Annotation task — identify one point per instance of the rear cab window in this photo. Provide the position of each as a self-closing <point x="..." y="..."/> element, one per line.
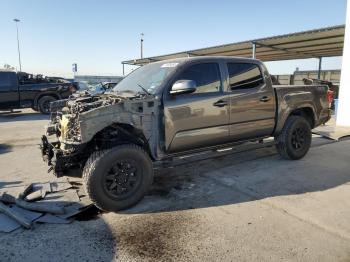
<point x="244" y="76"/>
<point x="205" y="75"/>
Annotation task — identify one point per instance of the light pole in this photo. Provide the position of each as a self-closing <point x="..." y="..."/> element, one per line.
<point x="142" y="45"/>
<point x="19" y="52"/>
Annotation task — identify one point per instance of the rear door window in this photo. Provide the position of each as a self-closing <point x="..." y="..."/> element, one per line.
<point x="244" y="75"/>
<point x="206" y="76"/>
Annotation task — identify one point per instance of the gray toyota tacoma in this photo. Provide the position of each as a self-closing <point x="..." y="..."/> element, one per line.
<point x="172" y="112"/>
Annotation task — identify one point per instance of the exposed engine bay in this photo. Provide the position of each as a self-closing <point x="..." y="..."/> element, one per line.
<point x="65" y="114"/>
<point x="84" y="123"/>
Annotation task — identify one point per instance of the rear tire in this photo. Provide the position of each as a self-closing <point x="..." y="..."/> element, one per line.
<point x="44" y="104"/>
<point x="294" y="141"/>
<point x="118" y="178"/>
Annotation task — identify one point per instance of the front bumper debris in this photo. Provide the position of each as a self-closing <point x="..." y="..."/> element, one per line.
<point x="58" y="162"/>
<point x="51" y="155"/>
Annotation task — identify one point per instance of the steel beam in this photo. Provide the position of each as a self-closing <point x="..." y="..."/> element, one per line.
<point x="284" y="49"/>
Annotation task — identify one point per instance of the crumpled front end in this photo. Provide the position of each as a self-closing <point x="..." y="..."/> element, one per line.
<point x="87" y="123"/>
<point x="62" y="147"/>
<point x="60" y="161"/>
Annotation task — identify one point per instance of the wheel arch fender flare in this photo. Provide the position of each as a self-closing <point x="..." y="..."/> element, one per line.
<point x="305" y="110"/>
<point x="136" y="136"/>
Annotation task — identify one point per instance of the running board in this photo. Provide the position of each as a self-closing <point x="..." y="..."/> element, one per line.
<point x="185" y="159"/>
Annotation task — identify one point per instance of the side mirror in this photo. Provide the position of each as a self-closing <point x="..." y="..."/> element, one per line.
<point x="183" y="87"/>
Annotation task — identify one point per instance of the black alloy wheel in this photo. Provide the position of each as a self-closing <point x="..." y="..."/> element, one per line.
<point x="122" y="179"/>
<point x="294" y="141"/>
<point x="298" y="138"/>
<point x="119" y="177"/>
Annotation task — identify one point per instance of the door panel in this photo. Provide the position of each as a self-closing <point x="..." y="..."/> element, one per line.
<point x="251" y="129"/>
<point x="252" y="102"/>
<point x="194" y="121"/>
<point x="201" y="118"/>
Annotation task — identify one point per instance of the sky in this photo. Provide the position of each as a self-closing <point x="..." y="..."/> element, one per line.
<point x="98" y="35"/>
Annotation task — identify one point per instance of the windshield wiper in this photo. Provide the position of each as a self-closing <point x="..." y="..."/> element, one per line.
<point x="144" y="89"/>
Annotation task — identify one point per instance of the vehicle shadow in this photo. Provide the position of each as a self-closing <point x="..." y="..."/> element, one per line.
<point x="5" y="148"/>
<point x="239" y="178"/>
<point x="21" y="116"/>
<point x="10" y="184"/>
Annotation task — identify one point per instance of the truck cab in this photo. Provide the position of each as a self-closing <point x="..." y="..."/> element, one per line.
<point x="233" y="100"/>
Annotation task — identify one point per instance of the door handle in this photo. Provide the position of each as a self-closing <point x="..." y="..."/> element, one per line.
<point x="220" y="103"/>
<point x="265" y="99"/>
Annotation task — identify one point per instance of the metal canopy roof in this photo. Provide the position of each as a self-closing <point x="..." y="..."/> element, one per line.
<point x="322" y="42"/>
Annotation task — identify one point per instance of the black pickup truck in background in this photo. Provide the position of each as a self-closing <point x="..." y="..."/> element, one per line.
<point x="22" y="90"/>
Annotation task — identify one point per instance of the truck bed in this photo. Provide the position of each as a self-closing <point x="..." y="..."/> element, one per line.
<point x="291" y="97"/>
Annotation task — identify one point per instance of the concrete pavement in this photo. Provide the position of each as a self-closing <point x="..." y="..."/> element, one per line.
<point x="251" y="206"/>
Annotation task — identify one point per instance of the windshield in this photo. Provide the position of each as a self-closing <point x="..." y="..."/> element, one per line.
<point x="148" y="77"/>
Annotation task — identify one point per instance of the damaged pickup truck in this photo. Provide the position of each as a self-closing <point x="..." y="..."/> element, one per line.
<point x="170" y="112"/>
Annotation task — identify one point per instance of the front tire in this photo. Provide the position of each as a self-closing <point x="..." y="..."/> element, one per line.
<point x="118" y="178"/>
<point x="294" y="141"/>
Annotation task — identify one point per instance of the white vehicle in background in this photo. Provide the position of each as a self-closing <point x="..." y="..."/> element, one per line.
<point x="82" y="85"/>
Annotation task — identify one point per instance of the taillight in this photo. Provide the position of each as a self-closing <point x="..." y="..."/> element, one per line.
<point x="330" y="97"/>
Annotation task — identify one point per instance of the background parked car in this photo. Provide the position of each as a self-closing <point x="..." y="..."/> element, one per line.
<point x="23" y="90"/>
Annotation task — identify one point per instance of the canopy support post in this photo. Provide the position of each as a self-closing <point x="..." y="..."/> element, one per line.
<point x="319" y="68"/>
<point x="253" y="50"/>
